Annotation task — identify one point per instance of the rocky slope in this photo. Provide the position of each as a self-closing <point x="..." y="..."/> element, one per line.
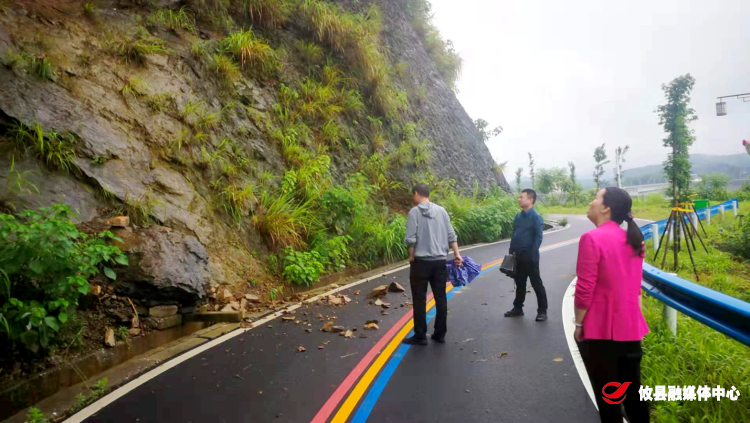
<point x="144" y="132"/>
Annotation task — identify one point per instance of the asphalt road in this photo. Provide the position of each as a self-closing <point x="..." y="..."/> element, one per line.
<point x="260" y="376"/>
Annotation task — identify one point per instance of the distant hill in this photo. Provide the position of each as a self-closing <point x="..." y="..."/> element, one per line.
<point x="736" y="166"/>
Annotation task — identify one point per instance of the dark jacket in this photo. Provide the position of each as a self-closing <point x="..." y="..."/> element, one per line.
<point x="527" y="234"/>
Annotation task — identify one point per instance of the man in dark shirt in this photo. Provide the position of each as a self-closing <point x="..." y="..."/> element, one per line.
<point x="527" y="237"/>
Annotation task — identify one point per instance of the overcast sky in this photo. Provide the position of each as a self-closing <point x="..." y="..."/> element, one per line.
<point x="564" y="77"/>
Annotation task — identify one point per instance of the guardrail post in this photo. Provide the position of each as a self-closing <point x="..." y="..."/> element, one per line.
<point x="655" y="235"/>
<point x="721" y="210"/>
<point x="708" y="216"/>
<point x="734" y="208"/>
<point x="670" y="316"/>
<point x="694" y="216"/>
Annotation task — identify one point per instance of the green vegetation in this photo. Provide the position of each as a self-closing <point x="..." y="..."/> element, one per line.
<point x="34" y="415"/>
<point x="251" y="52"/>
<point x="45" y="264"/>
<point x="90" y="10"/>
<point x="136" y="50"/>
<point x="698" y="355"/>
<point x="653" y="207"/>
<point x="169" y="19"/>
<point x="713" y="186"/>
<point x="302" y="268"/>
<point x="55" y="150"/>
<point x="41" y="67"/>
<point x="268" y="13"/>
<point x="446" y="59"/>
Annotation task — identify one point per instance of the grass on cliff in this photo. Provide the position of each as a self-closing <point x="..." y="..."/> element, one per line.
<point x="699" y="355"/>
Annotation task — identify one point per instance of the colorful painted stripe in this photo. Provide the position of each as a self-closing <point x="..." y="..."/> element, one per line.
<point x="402" y="328"/>
<point x="363" y="412"/>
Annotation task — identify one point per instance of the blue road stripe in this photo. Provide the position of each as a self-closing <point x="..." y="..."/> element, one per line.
<point x="372" y="397"/>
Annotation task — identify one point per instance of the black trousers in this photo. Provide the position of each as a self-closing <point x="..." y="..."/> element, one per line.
<point x="615" y="361"/>
<point x="527" y="267"/>
<point x="422" y="273"/>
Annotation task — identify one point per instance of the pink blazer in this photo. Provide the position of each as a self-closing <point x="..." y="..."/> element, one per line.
<point x="609" y="284"/>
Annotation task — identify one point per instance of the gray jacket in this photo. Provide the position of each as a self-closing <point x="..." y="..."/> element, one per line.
<point x="429" y="231"/>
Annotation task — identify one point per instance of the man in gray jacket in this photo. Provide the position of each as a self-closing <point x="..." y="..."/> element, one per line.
<point x="429" y="235"/>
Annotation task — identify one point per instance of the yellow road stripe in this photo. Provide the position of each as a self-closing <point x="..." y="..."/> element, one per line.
<point x="346" y="409"/>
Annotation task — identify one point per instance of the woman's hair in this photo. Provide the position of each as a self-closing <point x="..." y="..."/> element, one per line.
<point x="619" y="201"/>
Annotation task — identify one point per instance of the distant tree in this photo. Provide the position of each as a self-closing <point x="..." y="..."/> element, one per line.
<point x="519" y="171"/>
<point x="482" y="125"/>
<point x="531" y="172"/>
<point x="713" y="186"/>
<point x="619" y="160"/>
<point x="600" y="156"/>
<point x="674" y="118"/>
<point x="551" y="180"/>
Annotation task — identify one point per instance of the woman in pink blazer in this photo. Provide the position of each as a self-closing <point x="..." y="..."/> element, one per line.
<point x="608" y="318"/>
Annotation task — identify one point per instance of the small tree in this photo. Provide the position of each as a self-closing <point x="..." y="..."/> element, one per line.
<point x="600" y="156"/>
<point x="674" y="118"/>
<point x="619" y="160"/>
<point x="531" y="172"/>
<point x="519" y="171"/>
<point x="482" y="125"/>
<point x="572" y="187"/>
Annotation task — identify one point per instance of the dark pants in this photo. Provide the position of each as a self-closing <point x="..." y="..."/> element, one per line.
<point x="615" y="361"/>
<point x="528" y="267"/>
<point x="422" y="273"/>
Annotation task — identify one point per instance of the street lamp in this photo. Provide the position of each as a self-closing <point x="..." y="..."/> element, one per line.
<point x="721" y="106"/>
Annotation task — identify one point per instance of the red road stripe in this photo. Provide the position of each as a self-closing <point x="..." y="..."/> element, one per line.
<point x="330" y="406"/>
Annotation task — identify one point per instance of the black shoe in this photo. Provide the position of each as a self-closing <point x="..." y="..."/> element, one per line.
<point x="515" y="312"/>
<point x="541" y="317"/>
<point x="437" y="338"/>
<point x="413" y="340"/>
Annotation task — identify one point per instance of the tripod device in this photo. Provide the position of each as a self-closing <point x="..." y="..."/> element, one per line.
<point x="679" y="222"/>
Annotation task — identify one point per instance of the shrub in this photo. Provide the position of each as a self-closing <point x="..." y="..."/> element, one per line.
<point x="237" y="200"/>
<point x="268" y="13"/>
<point x="169" y="19"/>
<point x="225" y="68"/>
<point x="161" y="102"/>
<point x="302" y="268"/>
<point x="310" y="53"/>
<point x="485" y="220"/>
<point x="55" y="150"/>
<point x="335" y="251"/>
<point x="90" y="10"/>
<point x="46" y="263"/>
<point x="283" y="221"/>
<point x="251" y="52"/>
<point x="34" y="415"/>
<point x="137" y="50"/>
<point x="42" y="68"/>
<point x="563" y="221"/>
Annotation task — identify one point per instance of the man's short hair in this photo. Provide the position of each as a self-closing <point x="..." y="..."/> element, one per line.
<point x="421" y="189"/>
<point x="530" y="193"/>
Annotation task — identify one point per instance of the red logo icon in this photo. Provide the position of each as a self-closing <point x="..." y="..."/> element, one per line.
<point x="620" y="392"/>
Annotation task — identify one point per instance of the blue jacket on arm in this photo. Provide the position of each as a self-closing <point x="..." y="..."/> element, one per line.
<point x="528" y="227"/>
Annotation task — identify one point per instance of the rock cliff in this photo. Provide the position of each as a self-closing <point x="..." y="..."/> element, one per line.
<point x="149" y="109"/>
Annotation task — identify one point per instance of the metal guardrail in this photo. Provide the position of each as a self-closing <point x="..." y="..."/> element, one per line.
<point x="722" y="312"/>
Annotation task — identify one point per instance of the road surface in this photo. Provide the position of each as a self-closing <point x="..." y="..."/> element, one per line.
<point x="492" y="369"/>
